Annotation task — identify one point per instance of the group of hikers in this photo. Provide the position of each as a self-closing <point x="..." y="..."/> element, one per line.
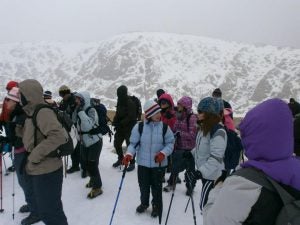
<point x="204" y="145"/>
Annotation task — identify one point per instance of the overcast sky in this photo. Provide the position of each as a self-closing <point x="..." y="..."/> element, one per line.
<point x="275" y="22"/>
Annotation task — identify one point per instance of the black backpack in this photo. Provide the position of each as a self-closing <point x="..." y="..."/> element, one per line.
<point x="138" y="107"/>
<point x="141" y="127"/>
<point x="233" y="149"/>
<point x="102" y="127"/>
<point x="290" y="211"/>
<point x="67" y="124"/>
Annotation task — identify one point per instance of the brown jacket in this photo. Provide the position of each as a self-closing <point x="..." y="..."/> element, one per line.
<point x="50" y="134"/>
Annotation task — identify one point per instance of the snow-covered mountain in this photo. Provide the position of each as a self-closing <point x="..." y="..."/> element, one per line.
<point x="180" y="64"/>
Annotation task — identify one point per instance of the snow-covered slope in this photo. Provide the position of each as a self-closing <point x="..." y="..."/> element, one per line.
<point x="181" y="64"/>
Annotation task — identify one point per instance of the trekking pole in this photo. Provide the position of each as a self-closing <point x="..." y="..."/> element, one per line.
<point x="1" y="196"/>
<point x="187" y="204"/>
<point x="160" y="209"/>
<point x="173" y="192"/>
<point x="13" y="189"/>
<point x="192" y="200"/>
<point x="120" y="187"/>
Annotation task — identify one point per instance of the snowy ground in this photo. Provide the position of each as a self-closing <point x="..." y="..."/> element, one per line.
<point x="82" y="211"/>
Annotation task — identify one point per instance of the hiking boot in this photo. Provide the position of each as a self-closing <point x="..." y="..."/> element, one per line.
<point x="94" y="193"/>
<point x="24" y="209"/>
<point x="154" y="212"/>
<point x="141" y="208"/>
<point x="130" y="167"/>
<point x="83" y="174"/>
<point x="168" y="188"/>
<point x="117" y="163"/>
<point x="31" y="219"/>
<point x="11" y="169"/>
<point x="72" y="169"/>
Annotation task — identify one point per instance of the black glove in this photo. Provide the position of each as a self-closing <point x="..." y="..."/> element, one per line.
<point x="191" y="176"/>
<point x="221" y="178"/>
<point x="177" y="134"/>
<point x="187" y="155"/>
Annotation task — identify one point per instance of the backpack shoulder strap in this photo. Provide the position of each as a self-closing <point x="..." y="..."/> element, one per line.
<point x="140" y="129"/>
<point x="34" y="115"/>
<point x="255" y="176"/>
<point x="165" y="128"/>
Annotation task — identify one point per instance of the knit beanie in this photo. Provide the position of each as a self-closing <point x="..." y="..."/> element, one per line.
<point x="13" y="94"/>
<point x="159" y="92"/>
<point x="210" y="105"/>
<point x="47" y="94"/>
<point x="64" y="90"/>
<point x="151" y="108"/>
<point x="217" y="93"/>
<point x="11" y="84"/>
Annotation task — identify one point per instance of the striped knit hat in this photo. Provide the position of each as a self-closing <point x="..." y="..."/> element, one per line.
<point x="13" y="94"/>
<point x="151" y="108"/>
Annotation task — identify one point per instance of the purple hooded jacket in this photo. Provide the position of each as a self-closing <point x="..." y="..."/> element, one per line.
<point x="267" y="136"/>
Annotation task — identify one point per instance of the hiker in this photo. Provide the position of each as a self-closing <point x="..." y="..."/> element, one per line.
<point x="217" y="93"/>
<point x="90" y="144"/>
<point x="210" y="148"/>
<point x="294" y="106"/>
<point x="48" y="99"/>
<point x="45" y="172"/>
<point x="267" y="136"/>
<point x="185" y="130"/>
<point x="68" y="105"/>
<point x="152" y="147"/>
<point x="124" y="120"/>
<point x="14" y="137"/>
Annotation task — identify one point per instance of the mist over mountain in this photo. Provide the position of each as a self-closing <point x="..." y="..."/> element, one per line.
<point x="145" y="62"/>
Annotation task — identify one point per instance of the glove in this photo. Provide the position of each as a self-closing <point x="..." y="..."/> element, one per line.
<point x="127" y="158"/>
<point x="191" y="176"/>
<point x="221" y="178"/>
<point x="177" y="134"/>
<point x="159" y="157"/>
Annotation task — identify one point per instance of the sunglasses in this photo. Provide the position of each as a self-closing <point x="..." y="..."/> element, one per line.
<point x="163" y="102"/>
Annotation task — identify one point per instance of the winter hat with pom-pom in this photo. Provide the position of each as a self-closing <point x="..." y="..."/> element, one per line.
<point x="151" y="108"/>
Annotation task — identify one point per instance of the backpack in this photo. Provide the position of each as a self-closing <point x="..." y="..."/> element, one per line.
<point x="233" y="149"/>
<point x="141" y="127"/>
<point x="67" y="124"/>
<point x="102" y="127"/>
<point x="138" y="107"/>
<point x="290" y="211"/>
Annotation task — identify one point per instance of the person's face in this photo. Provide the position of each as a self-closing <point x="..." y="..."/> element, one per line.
<point x="180" y="108"/>
<point x="10" y="104"/>
<point x="156" y="117"/>
<point x="200" y="115"/>
<point x="77" y="100"/>
<point x="164" y="104"/>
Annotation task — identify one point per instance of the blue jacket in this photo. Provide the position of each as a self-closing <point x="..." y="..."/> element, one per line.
<point x="85" y="122"/>
<point x="151" y="142"/>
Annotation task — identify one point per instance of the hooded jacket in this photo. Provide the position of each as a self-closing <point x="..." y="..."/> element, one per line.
<point x="186" y="125"/>
<point x="168" y="117"/>
<point x="50" y="133"/>
<point x="267" y="136"/>
<point x="86" y="120"/>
